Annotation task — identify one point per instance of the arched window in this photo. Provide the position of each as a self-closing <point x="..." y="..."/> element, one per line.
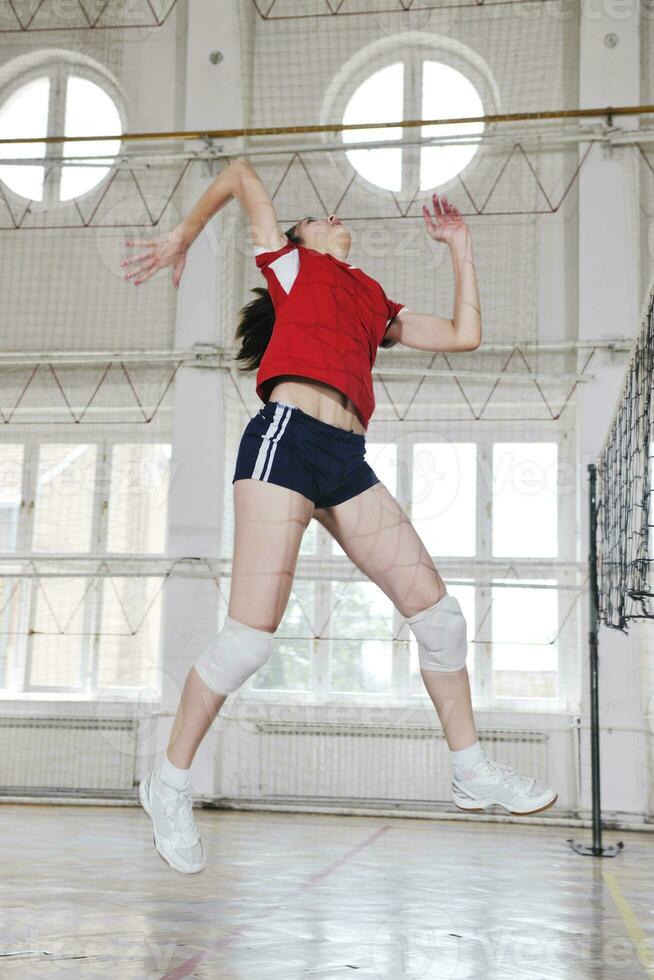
<point x="58" y="97"/>
<point x="416" y="86"/>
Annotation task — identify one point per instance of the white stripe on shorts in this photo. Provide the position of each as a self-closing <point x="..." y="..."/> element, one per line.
<point x="265" y="442"/>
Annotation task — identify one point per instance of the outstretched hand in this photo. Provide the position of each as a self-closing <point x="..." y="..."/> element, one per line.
<point x="447" y="224"/>
<point x="166" y="249"/>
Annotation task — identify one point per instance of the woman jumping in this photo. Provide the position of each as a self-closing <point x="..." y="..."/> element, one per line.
<point x="313" y="335"/>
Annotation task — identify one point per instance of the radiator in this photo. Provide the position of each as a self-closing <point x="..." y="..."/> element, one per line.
<point x="328" y="761"/>
<point x="67" y="755"/>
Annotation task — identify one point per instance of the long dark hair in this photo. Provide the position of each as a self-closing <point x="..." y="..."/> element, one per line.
<point x="256" y="321"/>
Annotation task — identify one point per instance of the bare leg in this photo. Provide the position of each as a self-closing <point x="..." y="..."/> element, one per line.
<point x="450" y="695"/>
<point x="197" y="710"/>
<point x="378" y="537"/>
<point x="269" y="523"/>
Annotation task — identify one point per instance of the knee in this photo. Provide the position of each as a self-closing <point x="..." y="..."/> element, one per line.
<point x="233" y="656"/>
<point x="441" y="634"/>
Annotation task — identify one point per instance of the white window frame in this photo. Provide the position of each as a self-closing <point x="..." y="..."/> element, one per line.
<point x="18" y="667"/>
<point x="58" y="65"/>
<point x="412" y="49"/>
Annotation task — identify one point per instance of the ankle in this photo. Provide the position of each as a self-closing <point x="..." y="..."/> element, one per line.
<point x="463" y="759"/>
<point x="173" y="775"/>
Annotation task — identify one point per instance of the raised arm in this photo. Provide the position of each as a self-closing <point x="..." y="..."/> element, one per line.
<point x="238" y="180"/>
<point x="429" y="331"/>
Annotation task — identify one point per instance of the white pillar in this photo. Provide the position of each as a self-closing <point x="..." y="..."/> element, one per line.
<point x="608" y="308"/>
<point x="211" y="100"/>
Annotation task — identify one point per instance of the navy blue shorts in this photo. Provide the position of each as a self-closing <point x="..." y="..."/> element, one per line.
<point x="282" y="444"/>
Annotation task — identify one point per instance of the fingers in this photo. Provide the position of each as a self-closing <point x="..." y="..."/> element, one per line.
<point x="146" y="273"/>
<point x="442" y="208"/>
<point x="136" y="258"/>
<point x="446" y="219"/>
<point x="142" y="268"/>
<point x="451" y="213"/>
<point x="448" y="208"/>
<point x="427" y="216"/>
<point x="143" y="263"/>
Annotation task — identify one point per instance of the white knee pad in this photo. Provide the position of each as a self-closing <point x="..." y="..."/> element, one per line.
<point x="441" y="634"/>
<point x="236" y="653"/>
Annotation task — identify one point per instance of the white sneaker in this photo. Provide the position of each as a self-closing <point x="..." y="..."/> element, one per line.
<point x="489" y="783"/>
<point x="176" y="836"/>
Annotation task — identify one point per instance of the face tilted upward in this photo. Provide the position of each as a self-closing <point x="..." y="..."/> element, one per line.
<point x="325" y="235"/>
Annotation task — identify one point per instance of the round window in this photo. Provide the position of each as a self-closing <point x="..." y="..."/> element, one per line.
<point x="425" y="89"/>
<point x="52" y="102"/>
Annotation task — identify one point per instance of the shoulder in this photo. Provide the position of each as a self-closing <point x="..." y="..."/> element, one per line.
<point x="281" y="266"/>
<point x="265" y="256"/>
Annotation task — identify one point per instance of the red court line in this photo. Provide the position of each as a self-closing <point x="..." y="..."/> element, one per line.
<point x="187" y="967"/>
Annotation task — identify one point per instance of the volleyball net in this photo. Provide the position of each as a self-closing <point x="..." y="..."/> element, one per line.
<point x="624" y="493"/>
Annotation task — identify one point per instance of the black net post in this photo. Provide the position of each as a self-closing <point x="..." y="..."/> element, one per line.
<point x="596" y="847"/>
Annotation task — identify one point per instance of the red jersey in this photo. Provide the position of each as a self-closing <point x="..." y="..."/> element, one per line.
<point x="330" y="320"/>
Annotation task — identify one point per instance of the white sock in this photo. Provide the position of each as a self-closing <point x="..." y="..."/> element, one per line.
<point x="463" y="759"/>
<point x="172" y="776"/>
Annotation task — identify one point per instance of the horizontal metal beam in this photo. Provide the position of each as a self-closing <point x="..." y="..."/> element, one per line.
<point x="543" y="138"/>
<point x="610" y="112"/>
<point x="204" y="352"/>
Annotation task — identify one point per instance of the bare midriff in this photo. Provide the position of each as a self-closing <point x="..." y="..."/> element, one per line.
<point x="325" y="403"/>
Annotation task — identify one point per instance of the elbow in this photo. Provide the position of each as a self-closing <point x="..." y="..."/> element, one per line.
<point x="472" y="343"/>
<point x="240" y="169"/>
<point x="468" y="340"/>
<point x="239" y="166"/>
<point x="242" y="164"/>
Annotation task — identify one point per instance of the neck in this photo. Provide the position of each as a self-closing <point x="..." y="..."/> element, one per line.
<point x="325" y="250"/>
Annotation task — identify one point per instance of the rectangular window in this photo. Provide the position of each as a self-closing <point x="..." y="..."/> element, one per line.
<point x="361" y="630"/>
<point x="82" y="625"/>
<point x="525" y="648"/>
<point x="63" y="514"/>
<point x="61" y="631"/>
<point x="444" y="497"/>
<point x="525" y="500"/>
<point x="11" y="485"/>
<point x="130" y="632"/>
<point x="139" y="479"/>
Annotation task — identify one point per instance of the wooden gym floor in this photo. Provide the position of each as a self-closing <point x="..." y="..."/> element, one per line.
<point x="322" y="897"/>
